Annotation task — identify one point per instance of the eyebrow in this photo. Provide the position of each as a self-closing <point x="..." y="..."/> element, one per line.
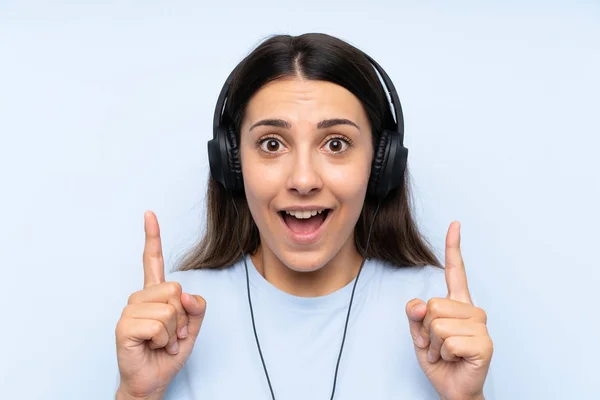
<point x="326" y="123"/>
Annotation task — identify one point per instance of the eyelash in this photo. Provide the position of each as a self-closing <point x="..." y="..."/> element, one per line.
<point x="264" y="139"/>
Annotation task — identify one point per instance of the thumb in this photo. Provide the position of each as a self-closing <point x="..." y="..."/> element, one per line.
<point x="195" y="306"/>
<point x="416" y="309"/>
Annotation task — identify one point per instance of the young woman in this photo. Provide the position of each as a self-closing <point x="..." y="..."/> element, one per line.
<point x="312" y="280"/>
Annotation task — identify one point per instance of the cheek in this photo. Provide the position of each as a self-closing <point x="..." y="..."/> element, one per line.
<point x="349" y="183"/>
<point x="261" y="185"/>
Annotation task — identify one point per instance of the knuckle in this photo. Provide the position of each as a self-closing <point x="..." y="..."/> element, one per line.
<point x="126" y="311"/>
<point x="133" y="298"/>
<point x="170" y="313"/>
<point x="482" y="315"/>
<point x="487" y="345"/>
<point x="450" y="344"/>
<point x="156" y="329"/>
<point x="174" y="288"/>
<point x="483" y="330"/>
<point x="434" y="305"/>
<point x="121" y="328"/>
<point x="437" y="326"/>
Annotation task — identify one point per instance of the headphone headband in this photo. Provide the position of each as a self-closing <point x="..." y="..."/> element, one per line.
<point x="221" y="100"/>
<point x="398" y="116"/>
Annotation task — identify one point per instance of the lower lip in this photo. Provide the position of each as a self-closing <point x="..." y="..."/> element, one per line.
<point x="306" y="238"/>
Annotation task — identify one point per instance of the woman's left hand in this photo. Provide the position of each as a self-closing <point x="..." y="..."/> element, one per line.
<point x="450" y="335"/>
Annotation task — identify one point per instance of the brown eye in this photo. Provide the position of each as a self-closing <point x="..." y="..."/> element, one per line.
<point x="336" y="145"/>
<point x="270" y="145"/>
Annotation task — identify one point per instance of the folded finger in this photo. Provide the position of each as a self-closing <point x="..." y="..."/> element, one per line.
<point x="172" y="346"/>
<point x="141" y="330"/>
<point x="444" y="328"/>
<point x="475" y="349"/>
<point x="166" y="292"/>
<point x="165" y="313"/>
<point x="446" y="308"/>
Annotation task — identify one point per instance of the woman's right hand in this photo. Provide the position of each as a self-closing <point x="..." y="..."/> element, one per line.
<point x="157" y="329"/>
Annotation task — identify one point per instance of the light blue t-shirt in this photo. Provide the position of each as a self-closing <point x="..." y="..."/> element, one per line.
<point x="300" y="338"/>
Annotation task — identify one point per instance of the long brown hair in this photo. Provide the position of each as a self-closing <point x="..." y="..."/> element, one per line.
<point x="395" y="237"/>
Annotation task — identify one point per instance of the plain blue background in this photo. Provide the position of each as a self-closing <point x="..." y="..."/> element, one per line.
<point x="106" y="107"/>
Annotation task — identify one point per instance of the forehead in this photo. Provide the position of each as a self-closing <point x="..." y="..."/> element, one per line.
<point x="306" y="99"/>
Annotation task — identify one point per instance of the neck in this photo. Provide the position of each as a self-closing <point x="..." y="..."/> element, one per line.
<point x="319" y="281"/>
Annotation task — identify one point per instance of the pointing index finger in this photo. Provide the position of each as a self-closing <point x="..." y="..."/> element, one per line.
<point x="154" y="267"/>
<point x="456" y="275"/>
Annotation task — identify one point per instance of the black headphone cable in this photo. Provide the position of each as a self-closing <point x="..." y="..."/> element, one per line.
<point x="347" y="315"/>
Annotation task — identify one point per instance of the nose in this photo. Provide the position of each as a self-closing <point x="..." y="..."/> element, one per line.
<point x="305" y="177"/>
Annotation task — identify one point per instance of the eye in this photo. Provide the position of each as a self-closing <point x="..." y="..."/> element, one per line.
<point x="337" y="144"/>
<point x="270" y="145"/>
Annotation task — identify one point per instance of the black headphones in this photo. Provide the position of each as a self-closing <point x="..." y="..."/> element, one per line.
<point x="387" y="170"/>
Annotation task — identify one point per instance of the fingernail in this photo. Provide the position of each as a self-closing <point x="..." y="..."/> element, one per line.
<point x="183" y="332"/>
<point x="430" y="356"/>
<point x="174" y="347"/>
<point x="192" y="298"/>
<point x="420" y="341"/>
<point x="419" y="308"/>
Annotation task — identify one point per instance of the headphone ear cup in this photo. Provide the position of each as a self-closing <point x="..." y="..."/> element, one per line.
<point x="224" y="160"/>
<point x="235" y="165"/>
<point x="389" y="165"/>
<point x="217" y="157"/>
<point x="378" y="164"/>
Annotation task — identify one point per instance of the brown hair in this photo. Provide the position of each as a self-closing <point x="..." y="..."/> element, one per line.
<point x="395" y="237"/>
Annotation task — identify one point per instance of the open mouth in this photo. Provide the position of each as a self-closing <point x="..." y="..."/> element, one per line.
<point x="304" y="222"/>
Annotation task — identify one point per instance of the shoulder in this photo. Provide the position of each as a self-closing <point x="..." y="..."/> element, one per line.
<point x="423" y="281"/>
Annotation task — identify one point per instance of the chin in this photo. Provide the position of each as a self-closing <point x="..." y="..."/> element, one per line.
<point x="306" y="261"/>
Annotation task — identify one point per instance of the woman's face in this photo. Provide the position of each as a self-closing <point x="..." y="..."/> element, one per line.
<point x="306" y="157"/>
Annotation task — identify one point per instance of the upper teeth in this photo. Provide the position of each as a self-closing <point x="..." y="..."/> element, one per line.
<point x="304" y="214"/>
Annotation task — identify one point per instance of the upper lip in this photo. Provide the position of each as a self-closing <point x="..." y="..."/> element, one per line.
<point x="305" y="208"/>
